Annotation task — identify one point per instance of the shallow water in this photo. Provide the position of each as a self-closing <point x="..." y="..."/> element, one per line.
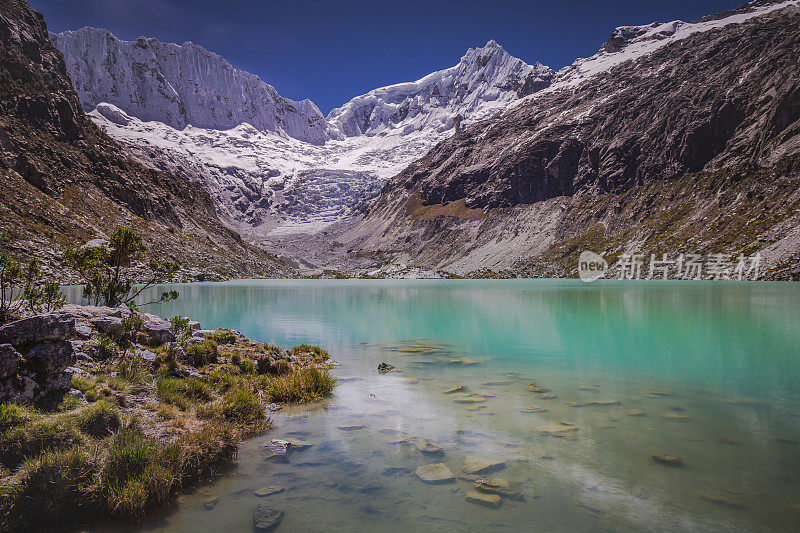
<point x="713" y="368"/>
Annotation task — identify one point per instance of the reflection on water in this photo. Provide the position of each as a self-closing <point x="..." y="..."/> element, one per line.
<point x="567" y="389"/>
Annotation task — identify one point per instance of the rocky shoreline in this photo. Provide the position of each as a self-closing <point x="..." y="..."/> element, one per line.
<point x="110" y="412"/>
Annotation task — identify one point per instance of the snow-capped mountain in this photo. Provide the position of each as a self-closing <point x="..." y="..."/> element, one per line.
<point x="484" y="81"/>
<point x="179" y="85"/>
<point x="270" y="162"/>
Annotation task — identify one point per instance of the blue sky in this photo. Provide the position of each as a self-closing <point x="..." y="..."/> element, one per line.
<point x="335" y="50"/>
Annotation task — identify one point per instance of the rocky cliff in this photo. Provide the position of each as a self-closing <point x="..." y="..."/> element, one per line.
<point x="63" y="181"/>
<point x="180" y="85"/>
<point x="702" y="118"/>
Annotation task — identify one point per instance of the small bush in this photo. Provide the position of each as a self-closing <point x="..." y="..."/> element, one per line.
<point x="30" y="440"/>
<point x="247" y="366"/>
<point x="304" y="385"/>
<point x="223" y="336"/>
<point x="199" y="355"/>
<point x="55" y="487"/>
<point x="319" y="355"/>
<point x="242" y="406"/>
<point x="106" y="348"/>
<point x="100" y="419"/>
<point x="183" y="392"/>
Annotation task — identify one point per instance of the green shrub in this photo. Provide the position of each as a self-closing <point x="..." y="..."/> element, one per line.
<point x="30" y="440"/>
<point x="83" y="382"/>
<point x="304" y="385"/>
<point x="106" y="348"/>
<point x="204" y="451"/>
<point x="223" y="336"/>
<point x="100" y="419"/>
<point x="248" y="366"/>
<point x="54" y="488"/>
<point x="183" y="392"/>
<point x="319" y="355"/>
<point x="199" y="355"/>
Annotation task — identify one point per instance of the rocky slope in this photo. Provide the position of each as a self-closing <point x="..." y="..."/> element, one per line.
<point x="63" y="181"/>
<point x="298" y="174"/>
<point x="682" y="136"/>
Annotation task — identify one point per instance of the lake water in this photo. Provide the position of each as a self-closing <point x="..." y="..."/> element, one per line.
<point x="706" y="371"/>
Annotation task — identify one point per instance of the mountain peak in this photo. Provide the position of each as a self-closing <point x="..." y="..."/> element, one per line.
<point x="179" y="85"/>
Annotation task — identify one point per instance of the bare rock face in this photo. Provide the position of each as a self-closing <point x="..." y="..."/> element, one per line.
<point x="720" y="97"/>
<point x="9" y="361"/>
<point x="33" y="365"/>
<point x="55" y="326"/>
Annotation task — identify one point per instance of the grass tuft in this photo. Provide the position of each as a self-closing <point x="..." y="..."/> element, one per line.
<point x="303" y="385"/>
<point x="183" y="392"/>
<point x="100" y="419"/>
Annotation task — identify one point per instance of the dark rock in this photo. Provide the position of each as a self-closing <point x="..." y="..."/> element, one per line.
<point x="51" y="357"/>
<point x="9" y="360"/>
<point x="266" y="518"/>
<point x="56" y="326"/>
<point x="384" y="367"/>
<point x="668" y="460"/>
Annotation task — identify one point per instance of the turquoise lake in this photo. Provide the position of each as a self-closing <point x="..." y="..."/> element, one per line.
<point x="705" y="371"/>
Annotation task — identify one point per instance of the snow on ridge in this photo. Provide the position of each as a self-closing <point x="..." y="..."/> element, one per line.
<point x="632" y="42"/>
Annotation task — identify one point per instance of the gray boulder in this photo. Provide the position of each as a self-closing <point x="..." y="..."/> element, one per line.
<point x="56" y="326"/>
<point x="158" y="329"/>
<point x="9" y="360"/>
<point x="109" y="325"/>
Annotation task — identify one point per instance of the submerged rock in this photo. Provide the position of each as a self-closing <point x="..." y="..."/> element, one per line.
<point x="210" y="504"/>
<point x="607" y="403"/>
<point x="533" y="410"/>
<point x="459" y="388"/>
<point x="435" y="474"/>
<point x="498" y="486"/>
<point x="480" y="465"/>
<point x="722" y="499"/>
<point x="635" y="412"/>
<point x="269" y="491"/>
<point x="488" y="500"/>
<point x="532" y="387"/>
<point x="350" y="428"/>
<point x="669" y="460"/>
<point x="559" y="430"/>
<point x="266" y="518"/>
<point x="429" y="447"/>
